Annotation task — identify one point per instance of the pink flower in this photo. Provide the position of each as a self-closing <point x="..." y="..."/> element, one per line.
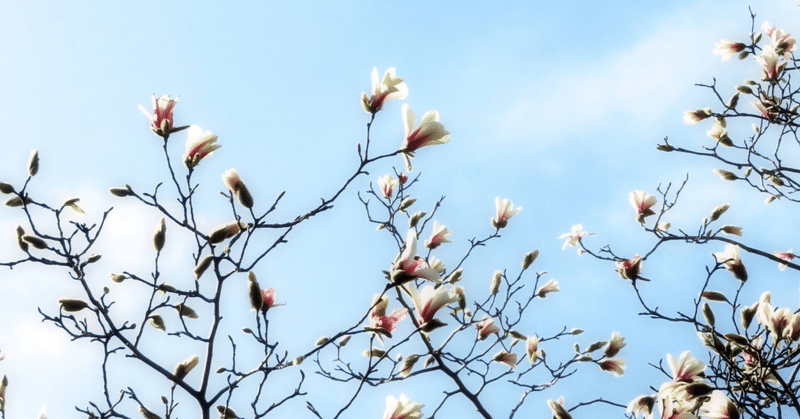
<point x="728" y="49"/>
<point x="643" y="405"/>
<point x="268" y="295"/>
<point x="429" y="132"/>
<point x="161" y="119"/>
<point x="392" y="87"/>
<point x="630" y="268"/>
<point x="438" y="236"/>
<point x="574" y="237"/>
<point x="379" y="322"/>
<point x="550" y="286"/>
<point x="730" y="258"/>
<point x="387" y="184"/>
<point x="402" y="408"/>
<point x="238" y="188"/>
<point x="504" y="212"/>
<point x="616" y="366"/>
<point x="199" y="145"/>
<point x="486" y="327"/>
<point x="508" y="358"/>
<point x="410" y="266"/>
<point x="787" y="256"/>
<point x="642" y="203"/>
<point x="532" y="348"/>
<point x="429" y="301"/>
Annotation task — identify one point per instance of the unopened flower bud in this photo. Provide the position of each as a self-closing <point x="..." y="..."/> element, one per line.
<point x="732" y="230"/>
<point x="164" y="399"/>
<point x="35" y="241"/>
<point x="713" y="296"/>
<point x="6" y="188"/>
<point x="33" y="163"/>
<point x="72" y="305"/>
<point x="157" y="322"/>
<point x="147" y="414"/>
<point x="160" y="236"/>
<point x="247" y="330"/>
<point x="725" y="175"/>
<point x="708" y="314"/>
<point x="414" y="220"/>
<point x="256" y="300"/>
<point x="406" y="204"/>
<point x="321" y="341"/>
<point x="343" y="341"/>
<point x="226" y="413"/>
<point x="734" y="100"/>
<point x="744" y="54"/>
<point x="665" y="147"/>
<point x="744" y="89"/>
<point x="770" y="199"/>
<point x="183" y="369"/>
<point x="121" y="192"/>
<point x="117" y="277"/>
<point x="93" y="259"/>
<point x="202" y="265"/>
<point x="299" y="360"/>
<point x="16" y="201"/>
<point x="429" y="361"/>
<point x="776" y="181"/>
<point x="529" y="259"/>
<point x="186" y="311"/>
<point x="220" y="370"/>
<point x="576" y="332"/>
<point x="456" y="275"/>
<point x="718" y="211"/>
<point x="495" y="285"/>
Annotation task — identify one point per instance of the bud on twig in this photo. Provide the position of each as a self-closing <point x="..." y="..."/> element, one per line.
<point x="121" y="192"/>
<point x="495" y="285"/>
<point x="412" y="222"/>
<point x="16" y="201"/>
<point x="186" y="311"/>
<point x="183" y="369"/>
<point x="157" y="322"/>
<point x="201" y="267"/>
<point x="708" y="314"/>
<point x="718" y="211"/>
<point x="147" y="414"/>
<point x="529" y="259"/>
<point x="406" y="204"/>
<point x="321" y="341"/>
<point x="6" y="188"/>
<point x="160" y="237"/>
<point x="343" y="341"/>
<point x="226" y="413"/>
<point x="72" y="305"/>
<point x="254" y="291"/>
<point x="33" y="163"/>
<point x="35" y="241"/>
<point x="744" y="89"/>
<point x="117" y="277"/>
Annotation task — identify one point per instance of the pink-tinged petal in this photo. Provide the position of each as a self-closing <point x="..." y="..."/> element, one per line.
<point x="508" y="358"/>
<point x="199" y="145"/>
<point x="615" y="366"/>
<point x="402" y="408"/>
<point x="686" y="368"/>
<point x="630" y="268"/>
<point x="486" y="327"/>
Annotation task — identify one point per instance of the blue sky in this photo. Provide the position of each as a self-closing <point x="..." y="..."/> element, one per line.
<point x="555" y="106"/>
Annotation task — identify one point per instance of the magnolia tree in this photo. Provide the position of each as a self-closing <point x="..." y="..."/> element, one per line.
<point x="751" y="367"/>
<point x="472" y="334"/>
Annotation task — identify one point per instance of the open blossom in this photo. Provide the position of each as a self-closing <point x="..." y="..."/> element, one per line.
<point x="630" y="268"/>
<point x="642" y="404"/>
<point x="728" y="49"/>
<point x="532" y="348"/>
<point x="616" y="343"/>
<point x="772" y="68"/>
<point x="717" y="132"/>
<point x="438" y="236"/>
<point x="787" y="256"/>
<point x="767" y="108"/>
<point x="550" y="286"/>
<point x="508" y="358"/>
<point x="402" y="408"/>
<point x="686" y="368"/>
<point x="380" y="322"/>
<point x="409" y="266"/>
<point x="782" y="323"/>
<point x="505" y="210"/>
<point x="642" y="203"/>
<point x="391" y="87"/>
<point x="615" y="366"/>
<point x="387" y="184"/>
<point x="574" y="237"/>
<point x="199" y="145"/>
<point x="161" y="119"/>
<point x="429" y="301"/>
<point x="783" y="43"/>
<point x="730" y="257"/>
<point x="429" y="132"/>
<point x="238" y="188"/>
<point x="486" y="327"/>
